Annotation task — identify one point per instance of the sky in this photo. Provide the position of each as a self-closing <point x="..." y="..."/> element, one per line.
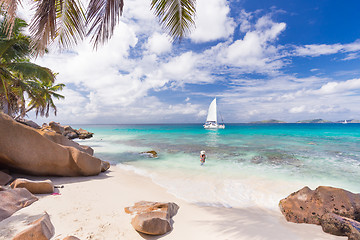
<point x="279" y="59"/>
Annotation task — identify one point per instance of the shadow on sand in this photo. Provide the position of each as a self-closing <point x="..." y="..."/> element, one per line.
<point x="255" y="223"/>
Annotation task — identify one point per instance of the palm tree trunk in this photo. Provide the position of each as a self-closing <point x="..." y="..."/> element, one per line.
<point x="6" y="107"/>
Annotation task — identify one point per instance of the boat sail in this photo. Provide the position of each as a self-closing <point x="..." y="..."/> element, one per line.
<point x="211" y="120"/>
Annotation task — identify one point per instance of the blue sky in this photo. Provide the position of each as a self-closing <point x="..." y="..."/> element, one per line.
<point x="287" y="60"/>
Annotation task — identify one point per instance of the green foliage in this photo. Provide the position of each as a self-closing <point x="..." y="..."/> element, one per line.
<point x="22" y="81"/>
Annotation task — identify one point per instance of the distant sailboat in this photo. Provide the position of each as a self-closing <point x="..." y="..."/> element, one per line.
<point x="211" y="120"/>
<point x="345" y="122"/>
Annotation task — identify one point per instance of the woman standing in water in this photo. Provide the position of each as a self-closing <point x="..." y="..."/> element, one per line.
<point x="202" y="157"/>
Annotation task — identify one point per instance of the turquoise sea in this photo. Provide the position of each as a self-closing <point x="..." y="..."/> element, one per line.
<point x="247" y="164"/>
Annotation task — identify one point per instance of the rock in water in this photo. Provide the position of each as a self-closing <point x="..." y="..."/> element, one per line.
<point x="26" y="149"/>
<point x="35" y="187"/>
<point x="41" y="229"/>
<point x="335" y="209"/>
<point x="83" y="134"/>
<point x="12" y="200"/>
<point x="151" y="153"/>
<point x="152" y="218"/>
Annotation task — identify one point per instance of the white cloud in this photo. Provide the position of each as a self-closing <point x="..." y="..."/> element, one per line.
<point x="339" y="87"/>
<point x="255" y="52"/>
<point x="212" y="21"/>
<point x="159" y="43"/>
<point x="298" y="109"/>
<point x="315" y="50"/>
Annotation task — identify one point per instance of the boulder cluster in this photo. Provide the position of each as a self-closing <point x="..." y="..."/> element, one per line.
<point x="41" y="152"/>
<point x="19" y="194"/>
<point x="335" y="209"/>
<point x="66" y="131"/>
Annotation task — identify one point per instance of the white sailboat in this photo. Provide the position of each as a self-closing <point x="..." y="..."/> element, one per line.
<point x="211" y="120"/>
<point x="345" y="122"/>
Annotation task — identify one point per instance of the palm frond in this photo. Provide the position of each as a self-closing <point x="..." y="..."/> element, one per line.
<point x="30" y="70"/>
<point x="175" y="16"/>
<point x="103" y="15"/>
<point x="10" y="7"/>
<point x="72" y="22"/>
<point x="15" y="49"/>
<point x="43" y="25"/>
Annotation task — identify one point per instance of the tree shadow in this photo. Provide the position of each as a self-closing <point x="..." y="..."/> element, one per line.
<point x="256" y="223"/>
<point x="58" y="180"/>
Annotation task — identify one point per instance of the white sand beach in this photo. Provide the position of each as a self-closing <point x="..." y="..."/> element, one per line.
<point x="93" y="208"/>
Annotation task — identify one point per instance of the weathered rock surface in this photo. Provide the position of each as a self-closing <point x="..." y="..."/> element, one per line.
<point x="28" y="123"/>
<point x="340" y="226"/>
<point x="38" y="152"/>
<point x="13" y="200"/>
<point x="64" y="141"/>
<point x="41" y="229"/>
<point x="335" y="209"/>
<point x="4" y="178"/>
<point x="153" y="218"/>
<point x="35" y="187"/>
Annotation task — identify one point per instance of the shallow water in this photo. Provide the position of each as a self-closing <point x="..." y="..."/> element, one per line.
<point x="246" y="165"/>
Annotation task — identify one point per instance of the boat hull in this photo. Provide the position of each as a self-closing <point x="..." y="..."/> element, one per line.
<point x="212" y="126"/>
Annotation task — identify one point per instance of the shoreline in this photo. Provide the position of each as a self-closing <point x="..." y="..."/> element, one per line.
<point x="93" y="208"/>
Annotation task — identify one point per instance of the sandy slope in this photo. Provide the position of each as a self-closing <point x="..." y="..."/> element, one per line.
<point x="93" y="208"/>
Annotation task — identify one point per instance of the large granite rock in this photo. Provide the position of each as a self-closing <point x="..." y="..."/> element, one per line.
<point x="335" y="209"/>
<point x="38" y="152"/>
<point x="41" y="229"/>
<point x="35" y="187"/>
<point x="70" y="133"/>
<point x="152" y="218"/>
<point x="12" y="200"/>
<point x="56" y="127"/>
<point x="4" y="178"/>
<point x="64" y="141"/>
<point x="307" y="206"/>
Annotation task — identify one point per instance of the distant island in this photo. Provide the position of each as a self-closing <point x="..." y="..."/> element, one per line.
<point x="268" y="121"/>
<point x="318" y="120"/>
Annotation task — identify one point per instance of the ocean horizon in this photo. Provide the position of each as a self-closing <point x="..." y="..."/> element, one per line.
<point x="247" y="164"/>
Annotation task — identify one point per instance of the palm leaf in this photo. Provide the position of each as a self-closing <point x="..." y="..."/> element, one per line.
<point x="103" y="15"/>
<point x="30" y="70"/>
<point x="71" y="26"/>
<point x="43" y="26"/>
<point x="175" y="16"/>
<point x="10" y="7"/>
